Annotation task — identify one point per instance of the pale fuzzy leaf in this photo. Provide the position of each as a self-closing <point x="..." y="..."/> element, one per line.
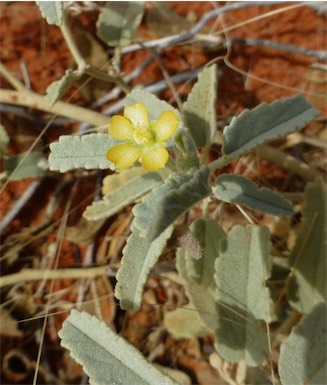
<point x="200" y="107"/>
<point x="241" y="271"/>
<point x="52" y="11"/>
<point x="139" y="256"/>
<point x="156" y="213"/>
<point x="185" y="322"/>
<point x="4" y="140"/>
<point x="266" y="122"/>
<point x="88" y="151"/>
<point x="106" y="357"/>
<point x="34" y="165"/>
<point x="126" y="193"/>
<point x="118" y="22"/>
<point x="57" y="89"/>
<point x="145" y="210"/>
<point x="307" y="286"/>
<point x="198" y="274"/>
<point x="303" y="355"/>
<point x="239" y="190"/>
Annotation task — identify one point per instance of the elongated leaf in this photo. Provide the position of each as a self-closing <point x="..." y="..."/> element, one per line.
<point x="303" y="355"/>
<point x="126" y="193"/>
<point x="239" y="190"/>
<point x="198" y="274"/>
<point x="57" y="89"/>
<point x="139" y="256"/>
<point x="118" y="21"/>
<point x="200" y="107"/>
<point x="145" y="210"/>
<point x="106" y="357"/>
<point x="266" y="122"/>
<point x="34" y="165"/>
<point x="155" y="214"/>
<point x="52" y="11"/>
<point x="307" y="286"/>
<point x="241" y="271"/>
<point x="88" y="151"/>
<point x="4" y="140"/>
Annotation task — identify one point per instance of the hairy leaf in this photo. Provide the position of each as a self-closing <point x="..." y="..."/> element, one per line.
<point x="198" y="274"/>
<point x="57" y="89"/>
<point x="125" y="192"/>
<point x="266" y="122"/>
<point x="118" y="22"/>
<point x="160" y="209"/>
<point x="139" y="256"/>
<point x="34" y="165"/>
<point x="303" y="355"/>
<point x="106" y="357"/>
<point x="239" y="190"/>
<point x="242" y="268"/>
<point x="88" y="151"/>
<point x="200" y="107"/>
<point x="52" y="11"/>
<point x="307" y="286"/>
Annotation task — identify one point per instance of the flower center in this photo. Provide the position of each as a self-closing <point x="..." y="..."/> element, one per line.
<point x="142" y="135"/>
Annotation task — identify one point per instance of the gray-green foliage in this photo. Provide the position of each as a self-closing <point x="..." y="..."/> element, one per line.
<point x="303" y="355"/>
<point x="242" y="191"/>
<point x="243" y="266"/>
<point x="57" y="89"/>
<point x="307" y="285"/>
<point x="31" y="165"/>
<point x="106" y="357"/>
<point x="118" y="21"/>
<point x="52" y="11"/>
<point x="224" y="274"/>
<point x="88" y="151"/>
<point x="4" y="140"/>
<point x="200" y="107"/>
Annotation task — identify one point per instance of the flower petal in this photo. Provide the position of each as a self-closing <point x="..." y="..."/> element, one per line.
<point x="165" y="125"/>
<point x="155" y="159"/>
<point x="138" y="115"/>
<point x="124" y="155"/>
<point x="121" y="128"/>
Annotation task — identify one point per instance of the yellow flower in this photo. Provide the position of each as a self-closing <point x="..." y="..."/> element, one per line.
<point x="144" y="139"/>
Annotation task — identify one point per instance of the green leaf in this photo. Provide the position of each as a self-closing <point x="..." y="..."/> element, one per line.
<point x="307" y="286"/>
<point x="144" y="212"/>
<point x="34" y="165"/>
<point x="303" y="355"/>
<point x="241" y="271"/>
<point x="266" y="122"/>
<point x="118" y="22"/>
<point x="200" y="107"/>
<point x="239" y="190"/>
<point x="161" y="208"/>
<point x="4" y="140"/>
<point x="57" y="89"/>
<point x="52" y="11"/>
<point x="125" y="192"/>
<point x="88" y="151"/>
<point x="139" y="256"/>
<point x="198" y="274"/>
<point x="106" y="357"/>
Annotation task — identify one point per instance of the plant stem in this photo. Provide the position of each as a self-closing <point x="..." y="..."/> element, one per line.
<point x="33" y="100"/>
<point x="37" y="275"/>
<point x="17" y="84"/>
